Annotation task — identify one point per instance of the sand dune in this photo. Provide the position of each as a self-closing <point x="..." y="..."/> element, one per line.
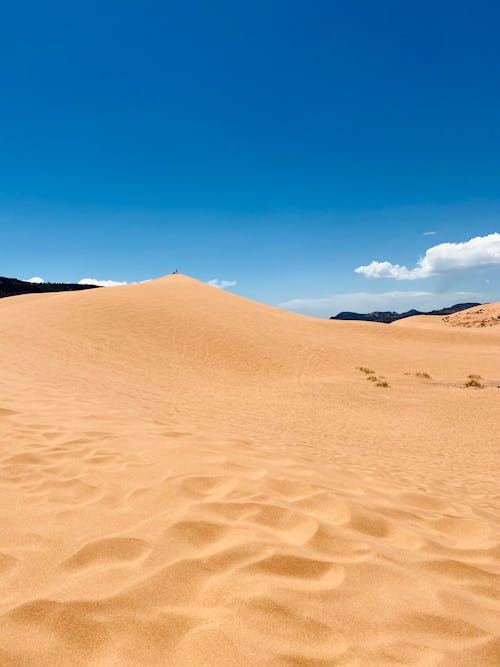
<point x="487" y="315"/>
<point x="480" y="317"/>
<point x="191" y="478"/>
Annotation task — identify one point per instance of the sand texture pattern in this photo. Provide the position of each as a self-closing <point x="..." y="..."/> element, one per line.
<point x="190" y="478"/>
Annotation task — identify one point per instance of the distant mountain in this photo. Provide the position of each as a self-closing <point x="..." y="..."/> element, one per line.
<point x="14" y="287"/>
<point x="388" y="316"/>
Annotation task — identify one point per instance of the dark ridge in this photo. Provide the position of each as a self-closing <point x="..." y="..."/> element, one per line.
<point x="14" y="287"/>
<point x="387" y="316"/>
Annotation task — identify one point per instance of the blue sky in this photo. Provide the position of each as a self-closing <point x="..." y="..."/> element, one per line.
<point x="275" y="144"/>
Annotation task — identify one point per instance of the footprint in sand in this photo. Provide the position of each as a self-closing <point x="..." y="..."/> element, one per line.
<point x="25" y="458"/>
<point x="5" y="412"/>
<point x="107" y="552"/>
<point x="196" y="533"/>
<point x="7" y="563"/>
<point x="67" y="492"/>
<point x="296" y="638"/>
<point x="295" y="568"/>
<point x="217" y="486"/>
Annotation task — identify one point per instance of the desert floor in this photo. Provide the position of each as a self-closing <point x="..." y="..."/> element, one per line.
<point x="191" y="478"/>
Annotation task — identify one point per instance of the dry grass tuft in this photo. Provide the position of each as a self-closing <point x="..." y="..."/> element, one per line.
<point x="474" y="383"/>
<point x="379" y="381"/>
<point x="422" y="374"/>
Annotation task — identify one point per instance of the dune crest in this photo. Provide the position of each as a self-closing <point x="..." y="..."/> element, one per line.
<point x="487" y="315"/>
<point x="482" y="317"/>
<point x="191" y="478"/>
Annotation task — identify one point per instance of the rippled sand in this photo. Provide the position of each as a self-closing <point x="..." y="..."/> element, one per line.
<point x="191" y="478"/>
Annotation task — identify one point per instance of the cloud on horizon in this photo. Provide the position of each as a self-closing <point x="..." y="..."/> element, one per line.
<point x="215" y="282"/>
<point x="367" y="302"/>
<point x="480" y="252"/>
<point x="101" y="283"/>
<point x="221" y="284"/>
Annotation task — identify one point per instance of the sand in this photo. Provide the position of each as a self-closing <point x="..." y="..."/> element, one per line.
<point x="191" y="478"/>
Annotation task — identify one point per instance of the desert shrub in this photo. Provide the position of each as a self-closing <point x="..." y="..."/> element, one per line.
<point x="372" y="378"/>
<point x="474" y="376"/>
<point x="363" y="369"/>
<point x="382" y="383"/>
<point x="422" y="374"/>
<point x="473" y="383"/>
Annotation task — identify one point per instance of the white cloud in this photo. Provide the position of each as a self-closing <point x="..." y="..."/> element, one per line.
<point x="101" y="283"/>
<point x="479" y="252"/>
<point x="387" y="270"/>
<point x="366" y="302"/>
<point x="93" y="281"/>
<point x="222" y="284"/>
<point x="429" y="233"/>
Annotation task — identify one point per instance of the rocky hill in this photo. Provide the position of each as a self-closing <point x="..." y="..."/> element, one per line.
<point x="14" y="287"/>
<point x="387" y="317"/>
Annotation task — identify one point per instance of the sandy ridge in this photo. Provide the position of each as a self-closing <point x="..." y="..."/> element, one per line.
<point x="190" y="478"/>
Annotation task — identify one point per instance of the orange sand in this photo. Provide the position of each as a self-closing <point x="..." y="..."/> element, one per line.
<point x="191" y="478"/>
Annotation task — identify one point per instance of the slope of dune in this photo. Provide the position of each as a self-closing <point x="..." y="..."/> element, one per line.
<point x="191" y="478"/>
<point x="482" y="317"/>
<point x="486" y="315"/>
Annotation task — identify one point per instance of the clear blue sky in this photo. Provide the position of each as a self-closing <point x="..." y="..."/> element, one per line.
<point x="280" y="145"/>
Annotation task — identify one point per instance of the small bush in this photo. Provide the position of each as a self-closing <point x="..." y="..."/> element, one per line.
<point x="372" y="378"/>
<point x="363" y="369"/>
<point x="473" y="382"/>
<point x="474" y="376"/>
<point x="382" y="383"/>
<point x="421" y="374"/>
